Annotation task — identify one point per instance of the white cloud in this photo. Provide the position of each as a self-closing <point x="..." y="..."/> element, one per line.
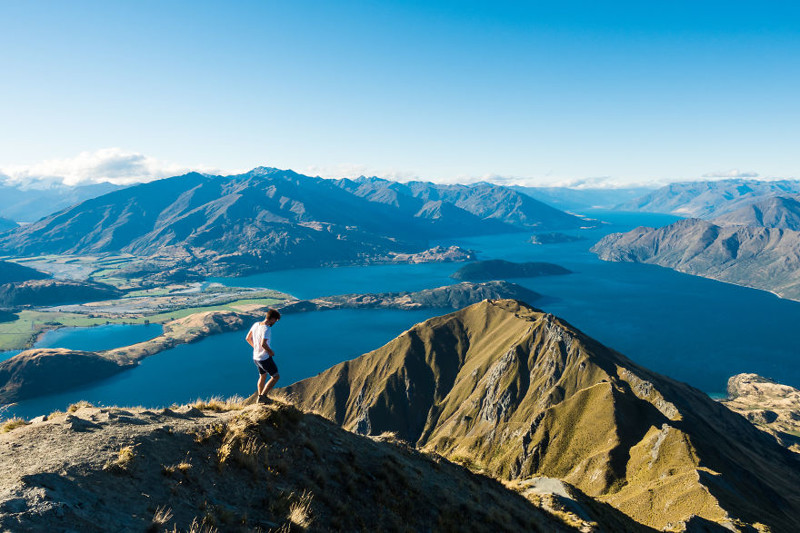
<point x="353" y="171"/>
<point x="735" y="173"/>
<point x="599" y="182"/>
<point x="113" y="165"/>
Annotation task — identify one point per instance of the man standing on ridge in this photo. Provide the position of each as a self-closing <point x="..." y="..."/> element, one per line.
<point x="260" y="337"/>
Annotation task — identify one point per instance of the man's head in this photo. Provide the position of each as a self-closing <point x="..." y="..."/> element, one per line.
<point x="272" y="316"/>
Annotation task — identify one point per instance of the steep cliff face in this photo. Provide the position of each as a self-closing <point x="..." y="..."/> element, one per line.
<point x="759" y="257"/>
<point x="519" y="393"/>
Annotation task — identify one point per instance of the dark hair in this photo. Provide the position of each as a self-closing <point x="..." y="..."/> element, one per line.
<point x="273" y="313"/>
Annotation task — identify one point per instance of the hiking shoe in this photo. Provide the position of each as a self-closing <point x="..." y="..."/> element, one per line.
<point x="264" y="399"/>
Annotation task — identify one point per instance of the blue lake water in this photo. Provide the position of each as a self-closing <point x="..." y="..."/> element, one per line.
<point x="692" y="329"/>
<point x="94" y="338"/>
<point x="99" y="337"/>
<point x="222" y="365"/>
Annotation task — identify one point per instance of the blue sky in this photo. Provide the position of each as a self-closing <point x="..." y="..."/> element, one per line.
<point x="536" y="91"/>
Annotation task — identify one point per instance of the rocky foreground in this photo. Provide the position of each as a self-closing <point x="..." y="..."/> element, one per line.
<point x="226" y="466"/>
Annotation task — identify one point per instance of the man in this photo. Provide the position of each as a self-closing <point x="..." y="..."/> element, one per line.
<point x="259" y="337"/>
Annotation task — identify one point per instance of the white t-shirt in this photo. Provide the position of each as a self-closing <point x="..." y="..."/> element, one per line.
<point x="260" y="333"/>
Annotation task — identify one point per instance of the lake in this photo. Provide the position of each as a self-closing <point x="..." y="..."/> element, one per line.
<point x="692" y="329"/>
<point x="95" y="338"/>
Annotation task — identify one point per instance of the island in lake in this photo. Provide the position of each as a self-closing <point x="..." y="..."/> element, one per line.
<point x="499" y="269"/>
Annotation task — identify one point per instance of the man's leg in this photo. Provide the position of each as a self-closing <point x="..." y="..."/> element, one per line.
<point x="262" y="378"/>
<point x="271" y="383"/>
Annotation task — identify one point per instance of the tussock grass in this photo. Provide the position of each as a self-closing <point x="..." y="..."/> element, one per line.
<point x="195" y="527"/>
<point x="217" y="404"/>
<point x="246" y="451"/>
<point x="162" y="515"/>
<point x="13" y="423"/>
<point x="121" y="463"/>
<point x="300" y="511"/>
<point x="78" y="405"/>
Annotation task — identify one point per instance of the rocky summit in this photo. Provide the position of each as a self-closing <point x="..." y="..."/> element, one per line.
<point x="517" y="394"/>
<point x="231" y="467"/>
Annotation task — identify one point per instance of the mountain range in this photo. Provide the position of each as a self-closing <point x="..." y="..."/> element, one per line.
<point x="28" y="204"/>
<point x="709" y="199"/>
<point x="269" y="219"/>
<point x="517" y="393"/>
<point x="757" y="245"/>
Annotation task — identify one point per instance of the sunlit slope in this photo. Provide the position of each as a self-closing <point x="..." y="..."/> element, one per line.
<point x="518" y="392"/>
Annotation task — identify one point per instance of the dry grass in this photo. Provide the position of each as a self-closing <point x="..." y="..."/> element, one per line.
<point x="13" y="423"/>
<point x="194" y="527"/>
<point x="246" y="451"/>
<point x="160" y="518"/>
<point x="75" y="406"/>
<point x="217" y="404"/>
<point x="300" y="511"/>
<point x="122" y="461"/>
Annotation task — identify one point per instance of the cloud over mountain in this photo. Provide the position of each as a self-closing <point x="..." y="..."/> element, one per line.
<point x="112" y="165"/>
<point x="735" y="173"/>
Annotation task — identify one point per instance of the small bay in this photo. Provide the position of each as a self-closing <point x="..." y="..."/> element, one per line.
<point x="99" y="338"/>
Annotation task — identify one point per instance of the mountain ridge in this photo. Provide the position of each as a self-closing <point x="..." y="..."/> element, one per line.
<point x="519" y="393"/>
<point x="269" y="219"/>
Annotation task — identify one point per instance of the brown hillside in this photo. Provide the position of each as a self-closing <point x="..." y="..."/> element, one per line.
<point x="519" y="393"/>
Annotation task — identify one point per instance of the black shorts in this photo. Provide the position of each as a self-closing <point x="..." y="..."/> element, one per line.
<point x="267" y="366"/>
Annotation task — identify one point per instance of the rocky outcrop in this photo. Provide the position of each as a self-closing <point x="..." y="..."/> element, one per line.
<point x="220" y="466"/>
<point x="762" y="258"/>
<point x="519" y="394"/>
<point x="773" y="407"/>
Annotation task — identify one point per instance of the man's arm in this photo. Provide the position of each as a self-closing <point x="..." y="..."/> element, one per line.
<point x="265" y="345"/>
<point x="249" y="338"/>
